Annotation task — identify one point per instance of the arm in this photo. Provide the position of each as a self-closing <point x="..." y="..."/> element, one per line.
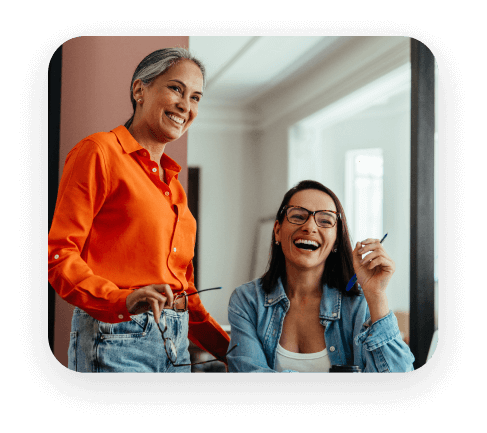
<point x="249" y="356"/>
<point x="82" y="192"/>
<point x="379" y="346"/>
<point x="383" y="349"/>
<point x="374" y="272"/>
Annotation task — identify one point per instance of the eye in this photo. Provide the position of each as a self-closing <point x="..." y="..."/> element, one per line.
<point x="175" y="88"/>
<point x="197" y="98"/>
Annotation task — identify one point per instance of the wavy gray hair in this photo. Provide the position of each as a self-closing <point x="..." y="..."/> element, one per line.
<point x="156" y="64"/>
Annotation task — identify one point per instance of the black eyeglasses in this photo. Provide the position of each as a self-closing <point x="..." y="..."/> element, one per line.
<point x="323" y="218"/>
<point x="169" y="345"/>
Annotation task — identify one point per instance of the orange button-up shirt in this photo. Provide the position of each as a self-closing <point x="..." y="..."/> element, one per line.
<point x="117" y="227"/>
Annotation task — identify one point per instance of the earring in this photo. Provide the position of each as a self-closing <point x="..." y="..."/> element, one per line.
<point x="277" y="242"/>
<point x="335" y="250"/>
<point x="139" y="100"/>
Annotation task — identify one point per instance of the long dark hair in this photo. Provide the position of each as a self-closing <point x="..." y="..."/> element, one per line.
<point x="338" y="266"/>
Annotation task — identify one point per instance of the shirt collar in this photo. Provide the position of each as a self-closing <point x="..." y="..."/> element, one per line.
<point x="130" y="145"/>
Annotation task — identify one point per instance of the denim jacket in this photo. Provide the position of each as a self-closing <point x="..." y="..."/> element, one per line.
<point x="256" y="320"/>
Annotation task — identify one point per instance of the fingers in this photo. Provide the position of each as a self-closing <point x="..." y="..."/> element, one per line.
<point x="385" y="263"/>
<point x="153" y="297"/>
<point x="371" y="253"/>
<point x="369" y="245"/>
<point x="166" y="289"/>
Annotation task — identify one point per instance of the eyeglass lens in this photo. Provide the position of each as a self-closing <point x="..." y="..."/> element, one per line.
<point x="297" y="215"/>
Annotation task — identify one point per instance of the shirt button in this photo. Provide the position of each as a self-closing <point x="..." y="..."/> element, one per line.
<point x="174" y="249"/>
<point x="332" y="348"/>
<point x="56" y="256"/>
<point x="120" y="316"/>
<point x="166" y="193"/>
<point x="154" y="170"/>
<point x="145" y="153"/>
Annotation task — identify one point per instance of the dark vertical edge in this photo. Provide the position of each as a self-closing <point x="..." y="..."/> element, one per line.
<point x="422" y="201"/>
<point x="193" y="204"/>
<point x="55" y="69"/>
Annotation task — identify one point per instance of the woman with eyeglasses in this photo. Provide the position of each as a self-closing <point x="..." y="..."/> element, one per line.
<point x="299" y="317"/>
<point x="122" y="237"/>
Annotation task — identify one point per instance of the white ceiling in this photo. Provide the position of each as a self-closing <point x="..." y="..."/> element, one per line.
<point x="242" y="68"/>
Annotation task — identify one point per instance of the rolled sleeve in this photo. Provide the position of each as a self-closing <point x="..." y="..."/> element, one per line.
<point x="383" y="348"/>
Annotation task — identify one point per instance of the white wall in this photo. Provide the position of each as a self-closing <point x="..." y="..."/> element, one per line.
<point x="228" y="210"/>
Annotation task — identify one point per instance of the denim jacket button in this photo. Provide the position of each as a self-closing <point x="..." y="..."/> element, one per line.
<point x="334" y="314"/>
<point x="270" y="300"/>
<point x="332" y="348"/>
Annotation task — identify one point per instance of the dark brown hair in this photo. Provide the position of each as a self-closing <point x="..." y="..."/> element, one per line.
<point x="338" y="266"/>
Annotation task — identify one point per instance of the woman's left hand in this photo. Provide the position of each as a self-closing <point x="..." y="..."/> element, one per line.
<point x="375" y="269"/>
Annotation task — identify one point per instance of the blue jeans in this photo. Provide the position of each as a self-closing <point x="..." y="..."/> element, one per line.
<point x="135" y="346"/>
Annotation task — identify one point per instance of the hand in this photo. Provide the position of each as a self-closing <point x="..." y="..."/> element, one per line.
<point x="153" y="297"/>
<point x="375" y="269"/>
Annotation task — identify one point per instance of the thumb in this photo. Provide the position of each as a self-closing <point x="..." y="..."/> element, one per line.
<point x="356" y="255"/>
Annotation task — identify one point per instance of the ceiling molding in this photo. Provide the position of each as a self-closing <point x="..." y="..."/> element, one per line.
<point x="358" y="63"/>
<point x="355" y="63"/>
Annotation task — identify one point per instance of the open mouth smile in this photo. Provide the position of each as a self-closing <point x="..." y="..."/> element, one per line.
<point x="176" y="119"/>
<point x="305" y="244"/>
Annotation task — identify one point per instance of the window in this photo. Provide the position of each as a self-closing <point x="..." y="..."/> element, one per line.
<point x="364" y="171"/>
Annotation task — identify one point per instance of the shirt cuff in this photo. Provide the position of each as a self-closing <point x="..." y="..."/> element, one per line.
<point x="379" y="333"/>
<point x="117" y="311"/>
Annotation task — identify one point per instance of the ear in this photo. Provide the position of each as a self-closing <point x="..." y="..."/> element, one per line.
<point x="137" y="89"/>
<point x="277" y="231"/>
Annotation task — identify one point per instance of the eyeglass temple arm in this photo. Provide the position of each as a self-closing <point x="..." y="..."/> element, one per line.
<point x="221" y="359"/>
<point x="204" y="290"/>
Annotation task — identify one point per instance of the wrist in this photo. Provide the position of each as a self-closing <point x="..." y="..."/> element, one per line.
<point x="378" y="306"/>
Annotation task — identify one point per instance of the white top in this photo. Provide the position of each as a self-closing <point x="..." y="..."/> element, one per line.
<point x="302" y="362"/>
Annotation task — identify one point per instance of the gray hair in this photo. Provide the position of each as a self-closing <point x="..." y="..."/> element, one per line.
<point x="156" y="64"/>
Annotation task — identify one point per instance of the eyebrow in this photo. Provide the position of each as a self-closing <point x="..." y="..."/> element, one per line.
<point x="320" y="210"/>
<point x="184" y="85"/>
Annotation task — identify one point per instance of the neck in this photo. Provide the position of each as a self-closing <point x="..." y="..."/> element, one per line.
<point x="303" y="283"/>
<point x="148" y="142"/>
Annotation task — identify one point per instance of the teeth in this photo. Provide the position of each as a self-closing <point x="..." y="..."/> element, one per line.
<point x="176" y="119"/>
<point x="305" y="241"/>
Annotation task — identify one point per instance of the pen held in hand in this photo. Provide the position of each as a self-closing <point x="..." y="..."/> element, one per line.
<point x="353" y="280"/>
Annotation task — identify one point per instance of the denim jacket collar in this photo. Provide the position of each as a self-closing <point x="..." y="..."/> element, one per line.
<point x="330" y="306"/>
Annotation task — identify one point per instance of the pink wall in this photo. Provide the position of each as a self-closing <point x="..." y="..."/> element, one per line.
<point x="95" y="96"/>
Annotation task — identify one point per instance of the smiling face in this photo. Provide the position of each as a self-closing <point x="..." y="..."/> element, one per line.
<point x="299" y="242"/>
<point x="170" y="103"/>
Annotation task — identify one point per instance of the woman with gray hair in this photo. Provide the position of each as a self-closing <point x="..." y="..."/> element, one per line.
<point x="122" y="237"/>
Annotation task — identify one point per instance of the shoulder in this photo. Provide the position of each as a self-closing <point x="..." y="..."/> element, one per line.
<point x="248" y="294"/>
<point x="100" y="142"/>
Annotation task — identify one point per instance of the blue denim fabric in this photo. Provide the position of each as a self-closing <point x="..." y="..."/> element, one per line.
<point x="134" y="346"/>
<point x="256" y="320"/>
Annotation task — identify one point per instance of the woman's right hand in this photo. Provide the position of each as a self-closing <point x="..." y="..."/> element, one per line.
<point x="152" y="297"/>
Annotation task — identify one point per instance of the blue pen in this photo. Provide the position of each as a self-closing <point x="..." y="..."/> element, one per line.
<point x="353" y="280"/>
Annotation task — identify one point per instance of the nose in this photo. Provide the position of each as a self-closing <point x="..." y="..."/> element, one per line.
<point x="183" y="104"/>
<point x="310" y="225"/>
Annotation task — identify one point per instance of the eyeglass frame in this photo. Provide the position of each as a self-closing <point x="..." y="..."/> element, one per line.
<point x="286" y="208"/>
<point x="178" y="310"/>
